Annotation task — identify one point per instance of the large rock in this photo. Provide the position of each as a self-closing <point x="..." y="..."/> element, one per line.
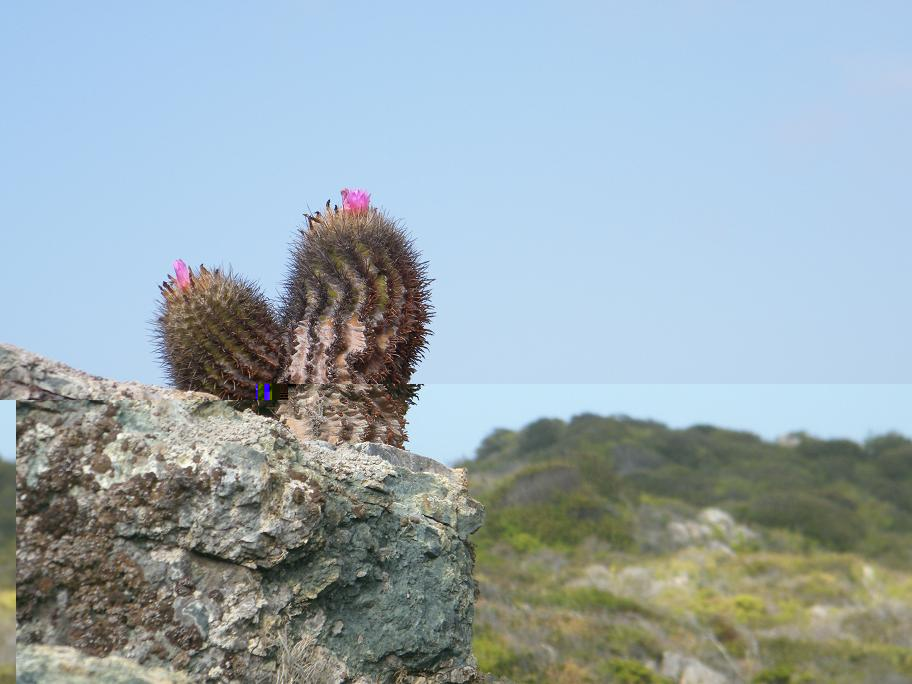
<point x="183" y="533"/>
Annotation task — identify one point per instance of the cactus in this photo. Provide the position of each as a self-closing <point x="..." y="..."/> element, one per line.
<point x="217" y="333"/>
<point x="350" y="330"/>
<point x="356" y="301"/>
<point x="345" y="413"/>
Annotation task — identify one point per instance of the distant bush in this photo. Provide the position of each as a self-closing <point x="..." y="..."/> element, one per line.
<point x="895" y="462"/>
<point x="541" y="483"/>
<point x="498" y="442"/>
<point x="818" y="660"/>
<point x="622" y="671"/>
<point x="565" y="521"/>
<point x="591" y="599"/>
<point x="523" y="542"/>
<point x="541" y="434"/>
<point x="782" y="674"/>
<point x="675" y="481"/>
<point x="7" y="524"/>
<point x="748" y="608"/>
<point x="7" y="502"/>
<point x="495" y="656"/>
<point x="812" y="515"/>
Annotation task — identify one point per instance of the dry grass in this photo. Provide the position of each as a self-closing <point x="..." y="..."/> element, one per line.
<point x="305" y="662"/>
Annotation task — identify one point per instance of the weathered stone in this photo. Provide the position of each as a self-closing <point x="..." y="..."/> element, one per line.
<point x="665" y="528"/>
<point x="183" y="533"/>
<point x="37" y="664"/>
<point x="24" y="375"/>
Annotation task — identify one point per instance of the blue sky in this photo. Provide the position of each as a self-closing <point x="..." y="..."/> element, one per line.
<point x="606" y="192"/>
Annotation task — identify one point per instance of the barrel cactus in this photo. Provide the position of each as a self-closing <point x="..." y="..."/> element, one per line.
<point x="346" y="336"/>
<point x="217" y="333"/>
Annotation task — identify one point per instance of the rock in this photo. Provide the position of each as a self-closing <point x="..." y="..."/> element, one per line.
<point x="685" y="670"/>
<point x="24" y="375"/>
<point x="718" y="519"/>
<point x="37" y="664"/>
<point x="661" y="529"/>
<point x="176" y="531"/>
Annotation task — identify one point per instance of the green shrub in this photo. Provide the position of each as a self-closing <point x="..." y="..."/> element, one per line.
<point x="590" y="598"/>
<point x="541" y="434"/>
<point x="632" y="642"/>
<point x="748" y="608"/>
<point x="523" y="542"/>
<point x="810" y="514"/>
<point x="494" y="654"/>
<point x="782" y="674"/>
<point x="562" y="522"/>
<point x="498" y="443"/>
<point x="623" y="671"/>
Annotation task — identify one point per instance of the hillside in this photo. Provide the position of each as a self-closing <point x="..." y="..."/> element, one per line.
<point x="619" y="550"/>
<point x="7" y="570"/>
<point x="7" y="524"/>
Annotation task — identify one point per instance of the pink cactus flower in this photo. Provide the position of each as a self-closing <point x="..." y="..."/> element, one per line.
<point x="182" y="274"/>
<point x="355" y="200"/>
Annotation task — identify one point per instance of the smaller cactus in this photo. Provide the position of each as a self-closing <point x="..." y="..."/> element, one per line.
<point x="217" y="333"/>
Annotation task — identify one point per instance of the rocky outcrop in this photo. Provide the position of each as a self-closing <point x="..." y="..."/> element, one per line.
<point x="661" y="529"/>
<point x="179" y="532"/>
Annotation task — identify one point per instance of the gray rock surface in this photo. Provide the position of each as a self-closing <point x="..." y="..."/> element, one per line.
<point x="182" y="533"/>
<point x="24" y="375"/>
<point x="662" y="529"/>
<point x="37" y="664"/>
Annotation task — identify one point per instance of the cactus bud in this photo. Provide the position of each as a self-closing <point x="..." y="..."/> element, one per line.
<point x="182" y="274"/>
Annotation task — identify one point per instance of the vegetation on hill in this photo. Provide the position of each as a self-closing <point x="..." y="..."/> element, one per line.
<point x="7" y="570"/>
<point x="7" y="525"/>
<point x="837" y="494"/>
<point x="619" y="550"/>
